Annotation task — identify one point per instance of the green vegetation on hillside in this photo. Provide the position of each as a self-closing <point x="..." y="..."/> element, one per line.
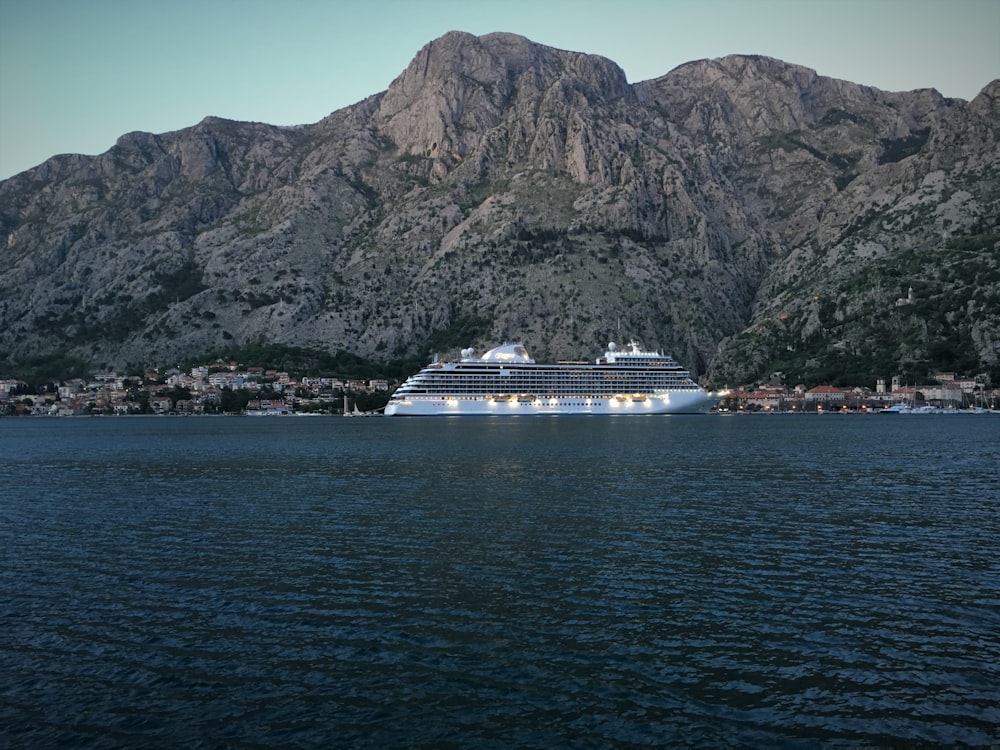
<point x="301" y="361"/>
<point x="854" y="332"/>
<point x="39" y="370"/>
<point x="42" y="369"/>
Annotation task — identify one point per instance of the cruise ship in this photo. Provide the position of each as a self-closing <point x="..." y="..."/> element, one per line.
<point x="507" y="381"/>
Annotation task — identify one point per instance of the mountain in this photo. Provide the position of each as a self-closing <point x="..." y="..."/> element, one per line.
<point x="743" y="213"/>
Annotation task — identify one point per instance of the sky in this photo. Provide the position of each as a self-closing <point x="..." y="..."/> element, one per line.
<point x="77" y="74"/>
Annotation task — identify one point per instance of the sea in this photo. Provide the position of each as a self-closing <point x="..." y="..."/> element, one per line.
<point x="530" y="582"/>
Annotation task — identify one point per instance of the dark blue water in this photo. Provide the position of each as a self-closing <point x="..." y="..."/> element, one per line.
<point x="551" y="582"/>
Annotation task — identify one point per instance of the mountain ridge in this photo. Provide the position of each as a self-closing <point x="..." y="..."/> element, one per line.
<point x="501" y="189"/>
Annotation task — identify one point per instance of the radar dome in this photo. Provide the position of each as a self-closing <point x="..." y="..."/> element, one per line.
<point x="508" y="353"/>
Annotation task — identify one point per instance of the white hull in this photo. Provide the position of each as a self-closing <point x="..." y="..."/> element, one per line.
<point x="678" y="402"/>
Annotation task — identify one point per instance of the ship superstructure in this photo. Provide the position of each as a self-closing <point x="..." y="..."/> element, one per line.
<point x="507" y="381"/>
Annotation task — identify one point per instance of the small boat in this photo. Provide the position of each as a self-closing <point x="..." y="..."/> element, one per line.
<point x="900" y="408"/>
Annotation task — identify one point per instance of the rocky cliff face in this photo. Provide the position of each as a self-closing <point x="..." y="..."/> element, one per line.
<point x="746" y="214"/>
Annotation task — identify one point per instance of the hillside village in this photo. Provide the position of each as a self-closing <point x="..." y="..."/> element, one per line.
<point x="219" y="389"/>
<point x="228" y="389"/>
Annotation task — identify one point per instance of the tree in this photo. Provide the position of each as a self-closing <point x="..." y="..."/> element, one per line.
<point x="178" y="393"/>
<point x="232" y="402"/>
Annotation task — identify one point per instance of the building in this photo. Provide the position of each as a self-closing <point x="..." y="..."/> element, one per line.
<point x="225" y="380"/>
<point x="7" y="386"/>
<point x="826" y="395"/>
<point x="946" y="394"/>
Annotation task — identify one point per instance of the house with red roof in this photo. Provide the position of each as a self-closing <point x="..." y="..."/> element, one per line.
<point x="826" y="394"/>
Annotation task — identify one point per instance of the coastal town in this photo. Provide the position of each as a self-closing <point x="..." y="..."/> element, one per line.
<point x="949" y="392"/>
<point x="228" y="388"/>
<point x="222" y="388"/>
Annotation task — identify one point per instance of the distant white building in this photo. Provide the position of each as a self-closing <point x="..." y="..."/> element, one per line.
<point x="180" y="380"/>
<point x="948" y="394"/>
<point x="826" y="394"/>
<point x="70" y="389"/>
<point x="225" y="380"/>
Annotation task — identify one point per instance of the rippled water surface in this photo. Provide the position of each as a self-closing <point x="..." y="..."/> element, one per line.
<point x="578" y="581"/>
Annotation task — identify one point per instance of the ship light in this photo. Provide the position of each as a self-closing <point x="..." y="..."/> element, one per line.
<point x="452" y="402"/>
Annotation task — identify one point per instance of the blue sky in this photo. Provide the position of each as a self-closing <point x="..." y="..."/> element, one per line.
<point x="76" y="74"/>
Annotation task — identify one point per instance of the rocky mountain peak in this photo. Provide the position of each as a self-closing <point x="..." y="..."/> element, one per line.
<point x="987" y="101"/>
<point x="459" y="86"/>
